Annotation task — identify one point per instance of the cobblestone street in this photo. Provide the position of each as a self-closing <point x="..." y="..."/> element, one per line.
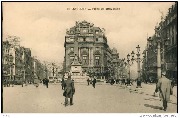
<point x="105" y="98"/>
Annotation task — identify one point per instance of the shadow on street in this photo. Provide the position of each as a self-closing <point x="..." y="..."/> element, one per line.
<point x="151" y="99"/>
<point x="172" y="103"/>
<point x="152" y="106"/>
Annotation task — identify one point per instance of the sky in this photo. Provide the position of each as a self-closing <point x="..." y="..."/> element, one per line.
<point x="42" y="26"/>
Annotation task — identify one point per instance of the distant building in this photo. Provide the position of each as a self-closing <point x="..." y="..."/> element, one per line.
<point x="38" y="69"/>
<point x="18" y="64"/>
<point x="7" y="60"/>
<point x="115" y="63"/>
<point x="27" y="62"/>
<point x="89" y="43"/>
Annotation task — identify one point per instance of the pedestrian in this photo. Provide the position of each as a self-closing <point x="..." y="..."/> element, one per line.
<point x="123" y="81"/>
<point x="117" y="81"/>
<point x="22" y="82"/>
<point x="165" y="88"/>
<point x="69" y="90"/>
<point x="5" y="82"/>
<point x="172" y="82"/>
<point x="62" y="83"/>
<point x="88" y="81"/>
<point x="46" y="82"/>
<point x="94" y="82"/>
<point x="138" y="81"/>
<point x="128" y="82"/>
<point x="112" y="81"/>
<point x="13" y="82"/>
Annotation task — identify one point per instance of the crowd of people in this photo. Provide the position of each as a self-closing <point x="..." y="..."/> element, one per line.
<point x="21" y="82"/>
<point x="123" y="81"/>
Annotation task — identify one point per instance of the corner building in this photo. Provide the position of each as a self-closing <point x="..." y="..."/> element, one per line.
<point x="89" y="43"/>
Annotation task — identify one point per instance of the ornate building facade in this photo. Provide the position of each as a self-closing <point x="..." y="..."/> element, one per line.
<point x="167" y="30"/>
<point x="89" y="43"/>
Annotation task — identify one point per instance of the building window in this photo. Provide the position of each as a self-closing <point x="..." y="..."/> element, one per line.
<point x="97" y="60"/>
<point x="96" y="39"/>
<point x="85" y="61"/>
<point x="84" y="39"/>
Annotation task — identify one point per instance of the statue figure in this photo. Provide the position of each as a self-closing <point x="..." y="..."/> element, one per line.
<point x="75" y="57"/>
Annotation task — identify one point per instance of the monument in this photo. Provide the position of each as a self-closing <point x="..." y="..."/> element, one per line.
<point x="76" y="71"/>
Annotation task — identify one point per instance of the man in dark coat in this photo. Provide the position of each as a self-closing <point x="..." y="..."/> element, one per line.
<point x="112" y="81"/>
<point x="46" y="82"/>
<point x="69" y="90"/>
<point x="94" y="82"/>
<point x="165" y="89"/>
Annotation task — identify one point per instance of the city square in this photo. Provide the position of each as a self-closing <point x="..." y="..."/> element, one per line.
<point x="106" y="57"/>
<point x="105" y="98"/>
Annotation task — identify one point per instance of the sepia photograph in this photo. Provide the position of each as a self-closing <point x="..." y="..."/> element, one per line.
<point x="89" y="57"/>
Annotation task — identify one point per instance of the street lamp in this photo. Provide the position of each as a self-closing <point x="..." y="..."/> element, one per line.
<point x="129" y="64"/>
<point x="138" y="60"/>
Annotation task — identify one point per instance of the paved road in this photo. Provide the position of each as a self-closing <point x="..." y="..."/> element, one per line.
<point x="105" y="98"/>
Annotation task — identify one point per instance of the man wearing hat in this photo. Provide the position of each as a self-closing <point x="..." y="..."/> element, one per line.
<point x="165" y="89"/>
<point x="69" y="90"/>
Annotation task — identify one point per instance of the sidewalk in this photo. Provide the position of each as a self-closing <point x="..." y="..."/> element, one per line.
<point x="148" y="89"/>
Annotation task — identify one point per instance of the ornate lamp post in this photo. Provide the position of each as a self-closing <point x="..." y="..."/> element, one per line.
<point x="129" y="63"/>
<point x="138" y="60"/>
